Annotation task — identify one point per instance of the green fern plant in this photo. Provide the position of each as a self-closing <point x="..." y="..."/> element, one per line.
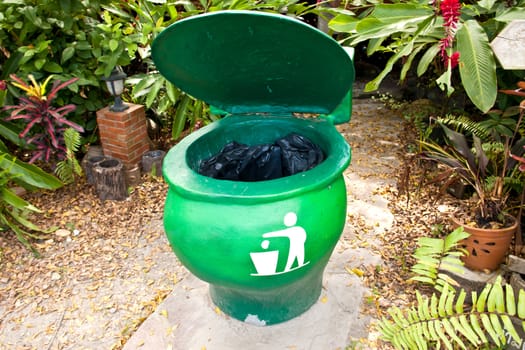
<point x="437" y="256"/>
<point x="68" y="168"/>
<point x="445" y="320"/>
<point x="465" y="125"/>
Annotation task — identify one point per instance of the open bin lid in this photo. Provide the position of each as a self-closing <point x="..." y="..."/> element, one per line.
<point x="254" y="62"/>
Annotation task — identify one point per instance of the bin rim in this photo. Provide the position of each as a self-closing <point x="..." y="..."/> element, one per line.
<point x="187" y="182"/>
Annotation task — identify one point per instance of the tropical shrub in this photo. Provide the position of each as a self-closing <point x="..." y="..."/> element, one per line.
<point x="57" y="37"/>
<point x="44" y="124"/>
<point x="438" y="36"/>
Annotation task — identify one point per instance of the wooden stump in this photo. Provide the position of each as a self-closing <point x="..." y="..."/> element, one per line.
<point x="89" y="164"/>
<point x="152" y="162"/>
<point x="110" y="179"/>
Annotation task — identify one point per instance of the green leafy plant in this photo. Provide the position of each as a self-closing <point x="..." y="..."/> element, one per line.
<point x="434" y="36"/>
<point x="445" y="320"/>
<point x="44" y="123"/>
<point x="176" y="109"/>
<point x="437" y="256"/>
<point x="484" y="164"/>
<point x="57" y="37"/>
<point x="14" y="210"/>
<point x="68" y="168"/>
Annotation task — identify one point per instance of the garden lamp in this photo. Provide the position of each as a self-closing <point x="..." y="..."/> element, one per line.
<point x="115" y="84"/>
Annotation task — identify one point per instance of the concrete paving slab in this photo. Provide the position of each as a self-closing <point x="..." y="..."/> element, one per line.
<point x="188" y="320"/>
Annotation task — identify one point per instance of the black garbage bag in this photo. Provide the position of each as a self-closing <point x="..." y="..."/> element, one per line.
<point x="298" y="154"/>
<point x="239" y="162"/>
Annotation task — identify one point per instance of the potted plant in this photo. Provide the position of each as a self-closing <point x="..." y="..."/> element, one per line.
<point x="479" y="154"/>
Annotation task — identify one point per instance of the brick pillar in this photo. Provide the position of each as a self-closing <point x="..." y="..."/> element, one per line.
<point x="124" y="135"/>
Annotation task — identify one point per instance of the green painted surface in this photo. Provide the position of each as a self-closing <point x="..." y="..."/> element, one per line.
<point x="262" y="246"/>
<point x="214" y="226"/>
<point x="181" y="161"/>
<point x="253" y="62"/>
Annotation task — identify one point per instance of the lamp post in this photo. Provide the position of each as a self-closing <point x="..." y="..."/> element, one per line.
<point x="115" y="85"/>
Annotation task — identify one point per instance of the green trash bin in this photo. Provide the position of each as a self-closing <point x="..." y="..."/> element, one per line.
<point x="262" y="246"/>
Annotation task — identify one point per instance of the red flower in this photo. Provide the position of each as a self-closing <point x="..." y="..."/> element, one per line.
<point x="3" y="85"/>
<point x="450" y="10"/>
<point x="453" y="60"/>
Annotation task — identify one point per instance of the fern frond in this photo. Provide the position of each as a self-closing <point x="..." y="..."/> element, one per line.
<point x="451" y="325"/>
<point x="72" y="140"/>
<point x="436" y="255"/>
<point x="69" y="167"/>
<point x="464" y="123"/>
<point x="64" y="173"/>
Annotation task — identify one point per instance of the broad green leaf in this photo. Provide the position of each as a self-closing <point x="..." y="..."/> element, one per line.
<point x="20" y="234"/>
<point x="53" y="67"/>
<point x="29" y="173"/>
<point x="143" y="86"/>
<point x="445" y="82"/>
<point x="172" y="92"/>
<point x="39" y="63"/>
<point x="67" y="54"/>
<point x="408" y="62"/>
<point x="477" y="66"/>
<point x="513" y="13"/>
<point x="374" y="84"/>
<point x="387" y="19"/>
<point x="153" y="93"/>
<point x="180" y="117"/>
<point x="12" y="199"/>
<point x="343" y="23"/>
<point x="113" y="45"/>
<point x="29" y="225"/>
<point x="426" y="59"/>
<point x="10" y="132"/>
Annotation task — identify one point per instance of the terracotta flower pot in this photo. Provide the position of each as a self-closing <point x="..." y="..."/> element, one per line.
<point x="486" y="247"/>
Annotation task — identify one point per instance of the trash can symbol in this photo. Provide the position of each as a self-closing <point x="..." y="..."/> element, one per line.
<point x="266" y="262"/>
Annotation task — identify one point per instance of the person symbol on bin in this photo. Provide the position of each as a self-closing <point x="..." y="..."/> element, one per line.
<point x="297" y="237"/>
